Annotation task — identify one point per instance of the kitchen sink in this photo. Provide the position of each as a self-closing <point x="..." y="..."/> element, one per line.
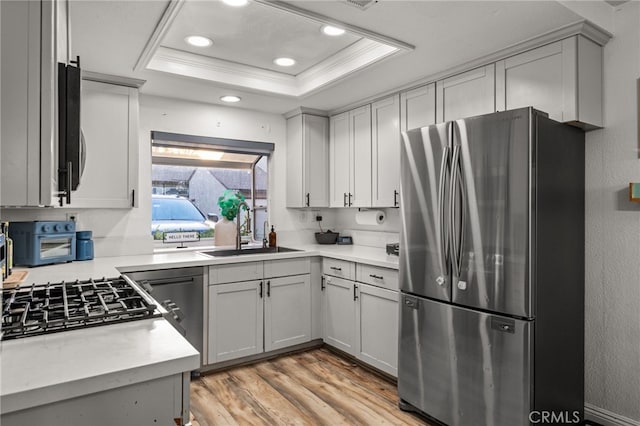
<point x="251" y="250"/>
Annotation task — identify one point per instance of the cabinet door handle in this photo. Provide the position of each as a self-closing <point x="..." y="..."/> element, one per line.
<point x="321" y="283"/>
<point x="69" y="180"/>
<point x="395" y="198"/>
<point x="335" y="269"/>
<point x="350" y="199"/>
<point x="268" y="288"/>
<point x="355" y="292"/>
<point x="378" y="277"/>
<point x="307" y="202"/>
<point x="260" y="289"/>
<point x="344" y="199"/>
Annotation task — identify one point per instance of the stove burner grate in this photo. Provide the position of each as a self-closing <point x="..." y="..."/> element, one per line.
<point x="46" y="308"/>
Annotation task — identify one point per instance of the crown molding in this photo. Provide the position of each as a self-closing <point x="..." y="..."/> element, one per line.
<point x="135" y="83"/>
<point x="582" y="28"/>
<point x="217" y="70"/>
<point x="169" y="15"/>
<point x="323" y="19"/>
<point x="347" y="61"/>
<point x="305" y="110"/>
<point x="355" y="57"/>
<point x="366" y="51"/>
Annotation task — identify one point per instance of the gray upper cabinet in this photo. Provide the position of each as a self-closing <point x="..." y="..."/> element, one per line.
<point x="418" y="107"/>
<point x="563" y="79"/>
<point x="350" y="158"/>
<point x="466" y="95"/>
<point x="34" y="38"/>
<point x="307" y="161"/>
<point x="110" y="130"/>
<point x="385" y="152"/>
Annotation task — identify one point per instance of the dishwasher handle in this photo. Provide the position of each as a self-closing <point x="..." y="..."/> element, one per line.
<point x="166" y="281"/>
<point x="175" y="316"/>
<point x="146" y="286"/>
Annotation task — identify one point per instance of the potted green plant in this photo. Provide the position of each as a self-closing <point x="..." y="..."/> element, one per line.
<point x="229" y="203"/>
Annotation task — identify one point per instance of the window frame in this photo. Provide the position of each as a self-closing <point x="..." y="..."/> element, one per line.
<point x="236" y="146"/>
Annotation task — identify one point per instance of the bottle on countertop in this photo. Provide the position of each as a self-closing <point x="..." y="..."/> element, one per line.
<point x="272" y="237"/>
<point x="9" y="248"/>
<point x="9" y="255"/>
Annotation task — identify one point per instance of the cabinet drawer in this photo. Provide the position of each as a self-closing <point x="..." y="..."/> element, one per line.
<point x="285" y="267"/>
<point x="235" y="272"/>
<point x="338" y="268"/>
<point x="375" y="275"/>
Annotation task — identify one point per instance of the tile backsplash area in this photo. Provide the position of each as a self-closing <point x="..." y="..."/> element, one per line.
<point x="371" y="238"/>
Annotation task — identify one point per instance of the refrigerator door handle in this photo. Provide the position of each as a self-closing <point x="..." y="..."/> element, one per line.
<point x="444" y="240"/>
<point x="453" y="186"/>
<point x="463" y="214"/>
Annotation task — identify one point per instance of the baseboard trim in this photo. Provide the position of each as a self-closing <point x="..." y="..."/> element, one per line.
<point x="607" y="418"/>
<point x="252" y="359"/>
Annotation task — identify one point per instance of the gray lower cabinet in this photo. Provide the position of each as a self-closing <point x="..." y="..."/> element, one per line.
<point x="266" y="311"/>
<point x="361" y="316"/>
<point x="235" y="320"/>
<point x="377" y="327"/>
<point x="287" y="312"/>
<point x="339" y="314"/>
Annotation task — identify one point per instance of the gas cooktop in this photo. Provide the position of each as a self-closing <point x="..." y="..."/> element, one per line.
<point x="30" y="310"/>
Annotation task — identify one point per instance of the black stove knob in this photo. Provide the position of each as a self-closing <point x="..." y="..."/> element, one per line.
<point x="68" y="227"/>
<point x="46" y="228"/>
<point x="58" y="228"/>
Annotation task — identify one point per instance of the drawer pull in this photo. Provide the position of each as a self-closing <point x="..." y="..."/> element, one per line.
<point x="335" y="268"/>
<point x="378" y="277"/>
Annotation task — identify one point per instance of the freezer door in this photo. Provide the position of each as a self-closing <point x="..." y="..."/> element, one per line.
<point x="425" y="162"/>
<point x="490" y="211"/>
<point x="464" y="367"/>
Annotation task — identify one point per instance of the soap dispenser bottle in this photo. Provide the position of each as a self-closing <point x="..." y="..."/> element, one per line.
<point x="272" y="237"/>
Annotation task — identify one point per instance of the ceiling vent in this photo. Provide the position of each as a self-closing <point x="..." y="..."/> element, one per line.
<point x="361" y="4"/>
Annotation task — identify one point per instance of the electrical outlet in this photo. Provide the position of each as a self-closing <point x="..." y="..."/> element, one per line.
<point x="73" y="217"/>
<point x="318" y="218"/>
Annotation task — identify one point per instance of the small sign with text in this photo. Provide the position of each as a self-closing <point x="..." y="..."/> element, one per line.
<point x="181" y="237"/>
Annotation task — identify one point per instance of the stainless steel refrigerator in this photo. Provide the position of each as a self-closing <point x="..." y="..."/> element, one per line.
<point x="492" y="270"/>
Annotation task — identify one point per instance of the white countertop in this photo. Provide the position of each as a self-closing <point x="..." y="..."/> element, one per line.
<point x="113" y="266"/>
<point x="43" y="369"/>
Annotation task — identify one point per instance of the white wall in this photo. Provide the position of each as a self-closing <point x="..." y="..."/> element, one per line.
<point x="612" y="334"/>
<point x="122" y="232"/>
<point x="176" y="116"/>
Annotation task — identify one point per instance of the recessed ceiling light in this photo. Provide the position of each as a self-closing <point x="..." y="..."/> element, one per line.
<point x="199" y="41"/>
<point x="332" y="31"/>
<point x="284" y="62"/>
<point x="236" y="3"/>
<point x="230" y="98"/>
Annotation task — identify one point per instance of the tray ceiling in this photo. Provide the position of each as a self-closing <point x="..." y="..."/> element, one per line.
<point x="120" y="37"/>
<point x="246" y="40"/>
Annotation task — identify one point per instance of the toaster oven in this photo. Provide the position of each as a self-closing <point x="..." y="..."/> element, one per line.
<point x="43" y="242"/>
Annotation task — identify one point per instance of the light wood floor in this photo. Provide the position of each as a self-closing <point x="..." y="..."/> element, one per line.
<point x="316" y="387"/>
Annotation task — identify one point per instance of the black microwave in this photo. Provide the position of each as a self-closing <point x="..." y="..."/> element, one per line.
<point x="70" y="144"/>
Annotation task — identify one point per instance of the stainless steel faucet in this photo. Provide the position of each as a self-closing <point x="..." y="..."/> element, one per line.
<point x="238" y="239"/>
<point x="265" y="227"/>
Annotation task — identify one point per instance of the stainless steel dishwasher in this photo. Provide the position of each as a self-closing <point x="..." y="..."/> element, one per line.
<point x="179" y="290"/>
